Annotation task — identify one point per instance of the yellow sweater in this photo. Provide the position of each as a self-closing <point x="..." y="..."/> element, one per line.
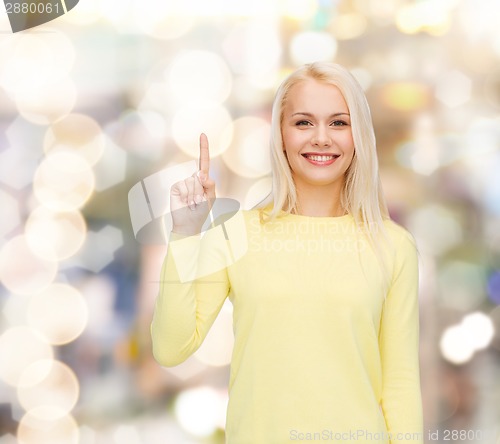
<point x="318" y="354"/>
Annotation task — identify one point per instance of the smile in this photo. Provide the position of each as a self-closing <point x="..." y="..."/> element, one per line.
<point x="321" y="160"/>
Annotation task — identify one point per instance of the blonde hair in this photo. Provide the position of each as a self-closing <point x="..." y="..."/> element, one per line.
<point x="361" y="195"/>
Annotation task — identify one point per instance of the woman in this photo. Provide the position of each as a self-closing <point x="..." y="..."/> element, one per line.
<point x="325" y="303"/>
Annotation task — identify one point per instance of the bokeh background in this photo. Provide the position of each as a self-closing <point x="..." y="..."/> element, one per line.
<point x="117" y="90"/>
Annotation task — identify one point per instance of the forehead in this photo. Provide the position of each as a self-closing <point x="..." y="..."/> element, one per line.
<point x="310" y="95"/>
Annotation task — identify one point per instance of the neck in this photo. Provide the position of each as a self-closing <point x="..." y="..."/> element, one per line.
<point x="319" y="201"/>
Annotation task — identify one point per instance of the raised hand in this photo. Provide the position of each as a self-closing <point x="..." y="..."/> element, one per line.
<point x="192" y="198"/>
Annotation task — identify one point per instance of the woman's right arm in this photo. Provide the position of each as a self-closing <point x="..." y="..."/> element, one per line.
<point x="194" y="282"/>
<point x="185" y="310"/>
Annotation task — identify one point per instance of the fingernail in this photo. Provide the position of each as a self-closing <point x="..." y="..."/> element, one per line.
<point x="198" y="199"/>
<point x="192" y="205"/>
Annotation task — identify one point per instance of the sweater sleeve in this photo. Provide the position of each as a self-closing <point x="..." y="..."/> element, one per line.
<point x="399" y="349"/>
<point x="193" y="287"/>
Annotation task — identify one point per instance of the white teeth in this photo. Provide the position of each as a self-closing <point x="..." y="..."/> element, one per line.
<point x="320" y="158"/>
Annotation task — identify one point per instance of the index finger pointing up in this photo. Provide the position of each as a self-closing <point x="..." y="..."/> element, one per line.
<point x="204" y="155"/>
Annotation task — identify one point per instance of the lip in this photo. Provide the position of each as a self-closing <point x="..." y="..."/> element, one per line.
<point x="321" y="163"/>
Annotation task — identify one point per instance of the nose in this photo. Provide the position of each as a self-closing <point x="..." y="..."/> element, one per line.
<point x="321" y="137"/>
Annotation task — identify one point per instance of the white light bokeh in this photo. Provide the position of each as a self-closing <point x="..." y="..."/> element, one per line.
<point x="48" y="104"/>
<point x="20" y="347"/>
<point x="203" y="117"/>
<point x="22" y="271"/>
<point x="87" y="13"/>
<point x="249" y="154"/>
<point x="348" y="26"/>
<point x="171" y="26"/>
<point x="199" y="410"/>
<point x="48" y="383"/>
<point x="254" y="50"/>
<point x="33" y="61"/>
<point x="59" y="313"/>
<point x="479" y="327"/>
<point x="47" y="425"/>
<point x="199" y="75"/>
<point x="298" y="9"/>
<point x="460" y="342"/>
<point x="77" y="133"/>
<point x="453" y="89"/>
<point x="64" y="232"/>
<point x="426" y="15"/>
<point x="456" y="345"/>
<point x="64" y="181"/>
<point x="312" y="46"/>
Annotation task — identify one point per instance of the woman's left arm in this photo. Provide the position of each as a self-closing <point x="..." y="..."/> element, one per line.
<point x="399" y="348"/>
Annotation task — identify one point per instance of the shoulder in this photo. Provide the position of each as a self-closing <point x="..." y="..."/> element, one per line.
<point x="399" y="235"/>
<point x="404" y="246"/>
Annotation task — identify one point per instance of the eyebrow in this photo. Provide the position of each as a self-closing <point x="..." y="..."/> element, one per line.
<point x="310" y="115"/>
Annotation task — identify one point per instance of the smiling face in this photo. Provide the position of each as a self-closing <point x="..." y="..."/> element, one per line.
<point x="317" y="136"/>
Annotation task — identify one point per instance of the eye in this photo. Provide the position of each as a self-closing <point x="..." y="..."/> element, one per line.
<point x="302" y="123"/>
<point x="339" y="123"/>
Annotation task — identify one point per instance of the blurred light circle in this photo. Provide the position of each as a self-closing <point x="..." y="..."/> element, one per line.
<point x="406" y="96"/>
<point x="494" y="287"/>
<point x="257" y="192"/>
<point x="455" y="345"/>
<point x="48" y="383"/>
<point x="198" y="410"/>
<point x="423" y="16"/>
<point x="254" y="50"/>
<point x="171" y="26"/>
<point x="199" y="75"/>
<point x="19" y="348"/>
<point x="217" y="348"/>
<point x="49" y="104"/>
<point x="308" y="47"/>
<point x="47" y="425"/>
<point x="248" y="155"/>
<point x="87" y="12"/>
<point x="59" y="313"/>
<point x="203" y="117"/>
<point x="299" y="9"/>
<point x="33" y="61"/>
<point x="480" y="329"/>
<point x="116" y="11"/>
<point x="77" y="133"/>
<point x="64" y="232"/>
<point x="348" y="26"/>
<point x="22" y="271"/>
<point x="64" y="181"/>
<point x="454" y="89"/>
